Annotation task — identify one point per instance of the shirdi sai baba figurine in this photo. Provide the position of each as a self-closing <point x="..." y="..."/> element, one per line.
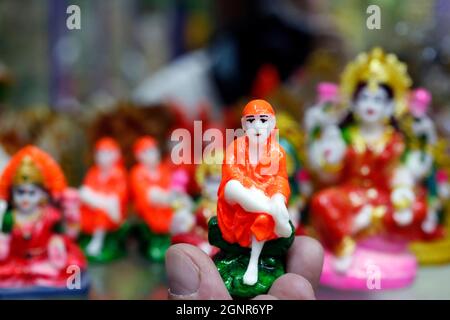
<point x="103" y="197"/>
<point x="160" y="199"/>
<point x="252" y="228"/>
<point x="372" y="199"/>
<point x="34" y="253"/>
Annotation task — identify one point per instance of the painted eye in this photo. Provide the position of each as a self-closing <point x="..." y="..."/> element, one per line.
<point x="250" y="120"/>
<point x="263" y="120"/>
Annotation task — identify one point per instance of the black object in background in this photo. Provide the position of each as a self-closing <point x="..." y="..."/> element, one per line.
<point x="254" y="33"/>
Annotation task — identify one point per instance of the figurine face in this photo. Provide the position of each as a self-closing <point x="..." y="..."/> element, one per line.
<point x="373" y="106"/>
<point x="149" y="157"/>
<point x="106" y="158"/>
<point x="258" y="127"/>
<point x="28" y="197"/>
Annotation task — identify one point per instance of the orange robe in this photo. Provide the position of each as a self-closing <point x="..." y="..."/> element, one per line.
<point x="114" y="184"/>
<point x="157" y="217"/>
<point x="236" y="224"/>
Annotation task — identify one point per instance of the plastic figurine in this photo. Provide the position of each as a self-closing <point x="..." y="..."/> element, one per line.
<point x="253" y="228"/>
<point x="159" y="195"/>
<point x="377" y="195"/>
<point x="103" y="197"/>
<point x="434" y="244"/>
<point x="34" y="254"/>
<point x="208" y="176"/>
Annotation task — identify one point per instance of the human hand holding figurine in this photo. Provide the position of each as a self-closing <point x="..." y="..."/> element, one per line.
<point x="192" y="274"/>
<point x="251" y="207"/>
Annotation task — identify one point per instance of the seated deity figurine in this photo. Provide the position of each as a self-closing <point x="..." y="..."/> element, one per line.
<point x="208" y="176"/>
<point x="372" y="201"/>
<point x="36" y="258"/>
<point x="103" y="197"/>
<point x="253" y="228"/>
<point x="160" y="199"/>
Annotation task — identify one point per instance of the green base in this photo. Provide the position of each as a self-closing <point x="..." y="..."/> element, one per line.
<point x="153" y="246"/>
<point x="114" y="245"/>
<point x="232" y="268"/>
<point x="232" y="262"/>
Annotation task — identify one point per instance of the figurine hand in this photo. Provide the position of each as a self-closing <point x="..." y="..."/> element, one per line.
<point x="158" y="196"/>
<point x="113" y="209"/>
<point x="431" y="222"/>
<point x="329" y="150"/>
<point x="425" y="127"/>
<point x="93" y="198"/>
<point x="403" y="217"/>
<point x="363" y="219"/>
<point x="281" y="216"/>
<point x="183" y="221"/>
<point x="260" y="197"/>
<point x="192" y="275"/>
<point x="444" y="190"/>
<point x="419" y="164"/>
<point x="333" y="144"/>
<point x="3" y="207"/>
<point x="57" y="253"/>
<point x="4" y="246"/>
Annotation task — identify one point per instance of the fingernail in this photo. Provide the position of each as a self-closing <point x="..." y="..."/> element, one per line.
<point x="182" y="274"/>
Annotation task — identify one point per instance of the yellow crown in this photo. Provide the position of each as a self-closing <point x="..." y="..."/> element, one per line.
<point x="28" y="172"/>
<point x="376" y="68"/>
<point x="211" y="166"/>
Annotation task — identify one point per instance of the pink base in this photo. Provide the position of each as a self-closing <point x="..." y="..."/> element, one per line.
<point x="384" y="244"/>
<point x="395" y="270"/>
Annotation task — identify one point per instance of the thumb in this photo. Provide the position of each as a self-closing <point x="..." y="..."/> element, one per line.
<point x="192" y="275"/>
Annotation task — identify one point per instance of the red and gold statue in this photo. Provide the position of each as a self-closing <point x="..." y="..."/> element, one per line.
<point x="373" y="200"/>
<point x="34" y="253"/>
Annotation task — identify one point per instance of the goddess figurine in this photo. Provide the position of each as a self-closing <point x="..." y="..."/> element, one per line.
<point x="377" y="188"/>
<point x="34" y="254"/>
<point x="208" y="176"/>
<point x="252" y="227"/>
<point x="103" y="198"/>
<point x="159" y="195"/>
